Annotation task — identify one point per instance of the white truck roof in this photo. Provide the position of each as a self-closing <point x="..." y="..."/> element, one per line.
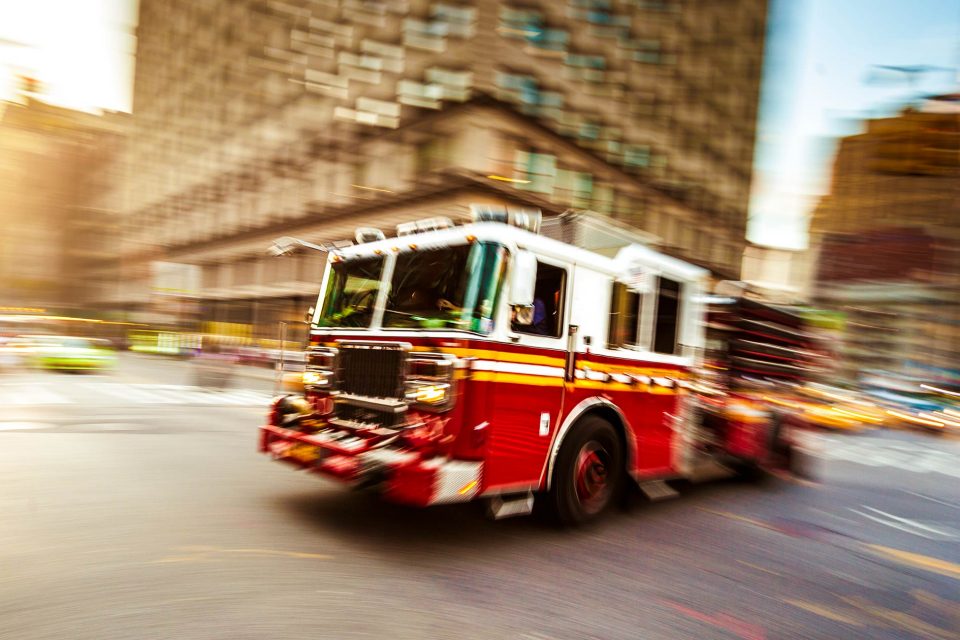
<point x="630" y="258"/>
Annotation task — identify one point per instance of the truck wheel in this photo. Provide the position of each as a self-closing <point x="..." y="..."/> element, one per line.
<point x="588" y="472"/>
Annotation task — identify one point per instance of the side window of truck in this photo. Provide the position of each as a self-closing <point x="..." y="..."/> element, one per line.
<point x="624" y="325"/>
<point x="666" y="326"/>
<point x="548" y="298"/>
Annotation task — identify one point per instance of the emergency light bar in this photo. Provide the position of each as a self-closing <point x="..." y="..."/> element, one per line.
<point x="420" y="226"/>
<point x="368" y="234"/>
<point x="527" y="219"/>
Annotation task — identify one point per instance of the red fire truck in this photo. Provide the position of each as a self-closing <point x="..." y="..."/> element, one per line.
<point x="488" y="361"/>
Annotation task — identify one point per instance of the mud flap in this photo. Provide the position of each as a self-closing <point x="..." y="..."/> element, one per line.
<point x="657" y="490"/>
<point x="499" y="507"/>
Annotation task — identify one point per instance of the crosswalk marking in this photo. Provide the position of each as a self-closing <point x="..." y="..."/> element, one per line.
<point x="916" y="455"/>
<point x="126" y="392"/>
<point x="93" y="393"/>
<point x="27" y="395"/>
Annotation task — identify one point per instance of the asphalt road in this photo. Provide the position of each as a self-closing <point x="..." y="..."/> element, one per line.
<point x="150" y="515"/>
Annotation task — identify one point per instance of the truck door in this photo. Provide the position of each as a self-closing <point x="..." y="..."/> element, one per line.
<point x="530" y="385"/>
<point x="655" y="441"/>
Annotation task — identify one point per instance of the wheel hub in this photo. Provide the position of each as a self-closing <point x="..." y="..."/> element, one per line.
<point x="592" y="482"/>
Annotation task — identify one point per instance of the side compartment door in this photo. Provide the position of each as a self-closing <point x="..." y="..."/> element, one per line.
<point x="656" y="439"/>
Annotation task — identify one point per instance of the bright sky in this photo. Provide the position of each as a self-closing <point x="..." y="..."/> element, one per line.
<point x="820" y="54"/>
<point x="80" y="50"/>
<point x="820" y="57"/>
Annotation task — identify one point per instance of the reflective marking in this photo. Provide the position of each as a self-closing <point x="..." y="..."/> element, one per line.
<point x="512" y="367"/>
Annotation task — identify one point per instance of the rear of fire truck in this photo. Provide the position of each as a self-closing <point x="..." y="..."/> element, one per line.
<point x="756" y="356"/>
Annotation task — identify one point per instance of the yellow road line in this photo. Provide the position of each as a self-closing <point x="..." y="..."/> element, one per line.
<point x="928" y="563"/>
<point x="825" y="612"/>
<point x="739" y="518"/>
<point x="759" y="568"/>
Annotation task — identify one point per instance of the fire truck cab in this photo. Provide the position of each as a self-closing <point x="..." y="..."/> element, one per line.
<point x="453" y="363"/>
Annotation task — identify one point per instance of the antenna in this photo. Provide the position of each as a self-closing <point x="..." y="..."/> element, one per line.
<point x="288" y="244"/>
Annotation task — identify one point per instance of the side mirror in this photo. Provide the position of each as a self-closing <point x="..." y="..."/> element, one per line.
<point x="308" y="317"/>
<point x="523" y="281"/>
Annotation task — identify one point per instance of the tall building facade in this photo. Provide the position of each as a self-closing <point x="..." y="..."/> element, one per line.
<point x="901" y="171"/>
<point x="52" y="170"/>
<point x="259" y="118"/>
<point x="888" y="239"/>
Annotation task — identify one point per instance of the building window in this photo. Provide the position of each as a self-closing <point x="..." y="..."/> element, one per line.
<point x="582" y="190"/>
<point x="548" y="296"/>
<point x="603" y="199"/>
<point x="636" y="155"/>
<point x="539" y="169"/>
<point x="667" y="321"/>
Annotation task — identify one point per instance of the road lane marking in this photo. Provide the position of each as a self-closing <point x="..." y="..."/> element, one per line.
<point x="904" y="524"/>
<point x="127" y="392"/>
<point x="178" y="394"/>
<point x="900" y="620"/>
<point x="759" y="568"/>
<point x="204" y="554"/>
<point x="740" y="628"/>
<point x="739" y="518"/>
<point x="936" y="565"/>
<point x="825" y="612"/>
<point x="30" y="394"/>
<point x="23" y="426"/>
<point x="943" y="502"/>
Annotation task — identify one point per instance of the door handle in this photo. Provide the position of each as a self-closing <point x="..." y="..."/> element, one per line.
<point x="570" y="366"/>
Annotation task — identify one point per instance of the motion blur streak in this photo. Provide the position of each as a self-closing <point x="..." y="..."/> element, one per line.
<point x="465" y="261"/>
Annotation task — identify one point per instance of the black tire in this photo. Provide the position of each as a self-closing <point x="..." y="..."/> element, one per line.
<point x="588" y="473"/>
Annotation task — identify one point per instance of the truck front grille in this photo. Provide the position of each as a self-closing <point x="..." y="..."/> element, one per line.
<point x="373" y="369"/>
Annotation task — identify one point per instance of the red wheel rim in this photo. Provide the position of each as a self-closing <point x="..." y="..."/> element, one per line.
<point x="592" y="480"/>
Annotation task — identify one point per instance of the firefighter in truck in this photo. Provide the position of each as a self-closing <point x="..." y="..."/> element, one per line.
<point x="487" y="361"/>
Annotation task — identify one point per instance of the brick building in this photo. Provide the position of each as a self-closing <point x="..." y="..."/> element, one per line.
<point x="888" y="238"/>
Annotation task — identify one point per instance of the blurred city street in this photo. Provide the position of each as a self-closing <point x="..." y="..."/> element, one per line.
<point x="480" y="319"/>
<point x="150" y="515"/>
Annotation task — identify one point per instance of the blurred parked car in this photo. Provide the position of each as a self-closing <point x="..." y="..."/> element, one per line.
<point x="58" y="353"/>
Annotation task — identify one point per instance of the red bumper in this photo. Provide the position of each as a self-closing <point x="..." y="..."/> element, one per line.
<point x="402" y="476"/>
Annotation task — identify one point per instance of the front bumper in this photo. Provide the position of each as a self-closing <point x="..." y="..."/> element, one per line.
<point x="402" y="476"/>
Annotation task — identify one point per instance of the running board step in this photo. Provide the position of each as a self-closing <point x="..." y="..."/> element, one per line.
<point x="500" y="507"/>
<point x="658" y="490"/>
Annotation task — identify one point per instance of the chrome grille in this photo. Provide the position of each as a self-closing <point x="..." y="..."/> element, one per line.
<point x="373" y="369"/>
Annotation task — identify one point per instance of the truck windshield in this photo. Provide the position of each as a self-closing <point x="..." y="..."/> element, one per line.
<point x="351" y="293"/>
<point x="446" y="288"/>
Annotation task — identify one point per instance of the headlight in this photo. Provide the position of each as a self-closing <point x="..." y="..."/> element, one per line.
<point x="319" y="378"/>
<point x="429" y="380"/>
<point x="429" y="394"/>
<point x="321" y="368"/>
